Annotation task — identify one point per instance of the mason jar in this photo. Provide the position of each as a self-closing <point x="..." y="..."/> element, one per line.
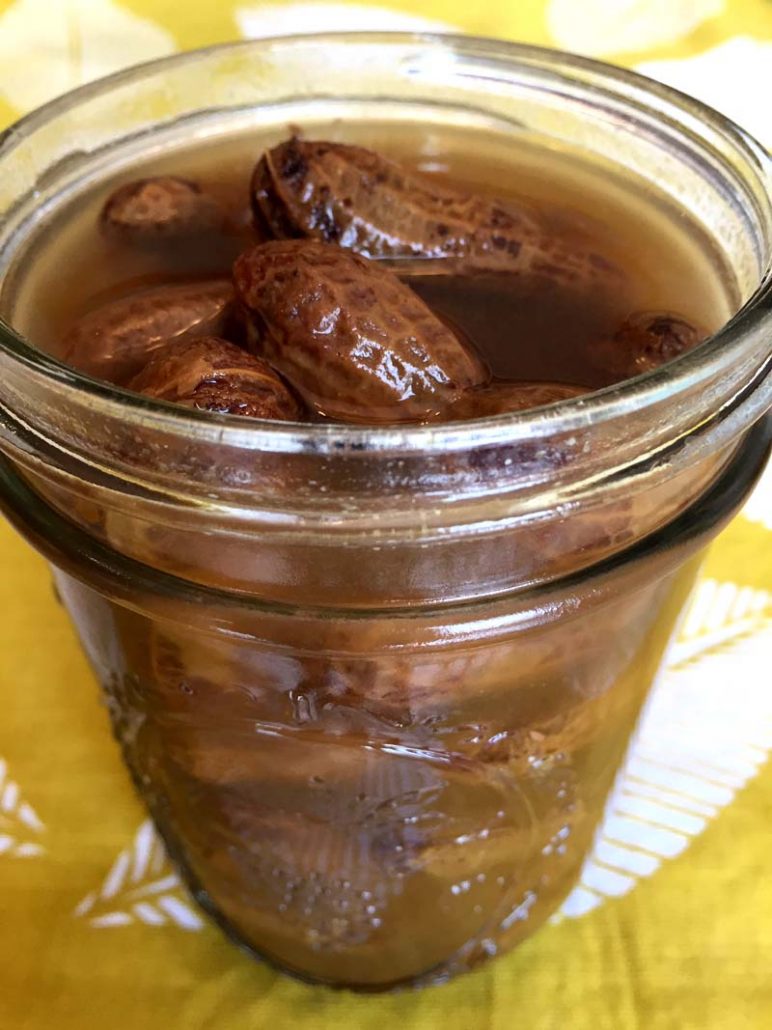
<point x="374" y="684"/>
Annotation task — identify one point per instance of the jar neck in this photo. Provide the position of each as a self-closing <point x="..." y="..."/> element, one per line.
<point x="80" y="554"/>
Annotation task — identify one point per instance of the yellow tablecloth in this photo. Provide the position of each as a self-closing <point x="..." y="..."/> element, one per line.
<point x="672" y="926"/>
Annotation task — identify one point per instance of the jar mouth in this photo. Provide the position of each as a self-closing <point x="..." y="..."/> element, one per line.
<point x="712" y="359"/>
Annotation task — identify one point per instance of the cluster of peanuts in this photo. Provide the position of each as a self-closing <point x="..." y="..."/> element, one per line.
<point x="314" y="322"/>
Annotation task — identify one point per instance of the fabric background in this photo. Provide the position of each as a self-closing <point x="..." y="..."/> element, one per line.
<point x="671" y="928"/>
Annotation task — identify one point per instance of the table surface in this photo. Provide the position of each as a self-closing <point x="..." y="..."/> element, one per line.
<point x="671" y="926"/>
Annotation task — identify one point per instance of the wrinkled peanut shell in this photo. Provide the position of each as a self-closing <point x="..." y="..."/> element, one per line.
<point x="117" y="339"/>
<point x="159" y="209"/>
<point x="643" y="342"/>
<point x="214" y="375"/>
<point x="356" y="342"/>
<point x="499" y="398"/>
<point x="354" y="197"/>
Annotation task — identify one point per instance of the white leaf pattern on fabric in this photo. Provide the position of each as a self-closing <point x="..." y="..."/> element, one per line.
<point x="140" y="887"/>
<point x="706" y="732"/>
<point x="74" y="42"/>
<point x="735" y="77"/>
<point x="20" y="826"/>
<point x="284" y="20"/>
<point x="598" y="27"/>
<point x="718" y="613"/>
<point x="758" y="507"/>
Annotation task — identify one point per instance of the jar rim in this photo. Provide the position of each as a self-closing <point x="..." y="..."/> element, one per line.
<point x="714" y="355"/>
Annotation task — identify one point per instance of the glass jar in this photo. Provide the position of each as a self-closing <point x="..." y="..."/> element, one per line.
<point x="374" y="684"/>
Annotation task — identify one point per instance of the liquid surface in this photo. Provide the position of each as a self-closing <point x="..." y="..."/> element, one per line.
<point x="524" y="329"/>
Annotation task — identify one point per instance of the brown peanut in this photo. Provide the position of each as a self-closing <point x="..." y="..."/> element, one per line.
<point x="214" y="375"/>
<point x="354" y="197"/>
<point x="356" y="342"/>
<point x="499" y="398"/>
<point x="158" y="209"/>
<point x="643" y="342"/>
<point x="117" y="339"/>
